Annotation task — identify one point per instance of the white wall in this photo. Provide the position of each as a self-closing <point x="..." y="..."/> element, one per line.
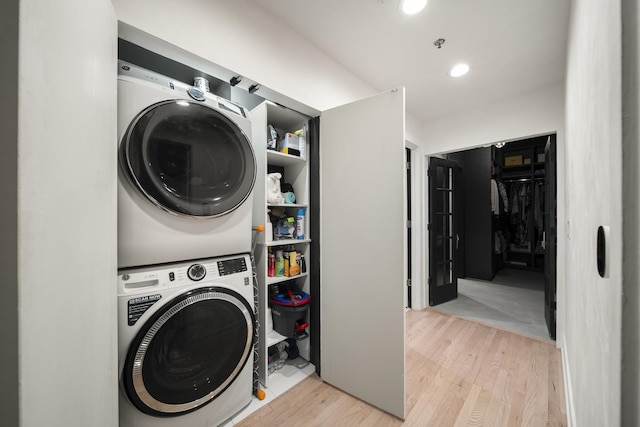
<point x="594" y="160"/>
<point x="529" y="114"/>
<point x="631" y="213"/>
<point x="241" y="37"/>
<point x="67" y="218"/>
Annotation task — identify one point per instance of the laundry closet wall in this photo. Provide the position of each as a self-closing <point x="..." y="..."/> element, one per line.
<point x="58" y="260"/>
<point x="242" y="37"/>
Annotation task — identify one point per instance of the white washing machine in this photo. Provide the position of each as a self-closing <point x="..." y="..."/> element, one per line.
<point x="187" y="170"/>
<point x="185" y="342"/>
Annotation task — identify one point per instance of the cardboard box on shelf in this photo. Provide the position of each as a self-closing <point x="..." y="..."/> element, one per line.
<point x="513" y="160"/>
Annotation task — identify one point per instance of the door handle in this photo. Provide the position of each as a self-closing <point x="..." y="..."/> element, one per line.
<point x="457" y="240"/>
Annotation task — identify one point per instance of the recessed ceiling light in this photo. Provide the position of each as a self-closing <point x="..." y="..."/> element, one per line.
<point x="459" y="70"/>
<point x="411" y="7"/>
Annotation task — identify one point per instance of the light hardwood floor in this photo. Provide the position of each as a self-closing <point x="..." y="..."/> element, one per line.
<point x="459" y="373"/>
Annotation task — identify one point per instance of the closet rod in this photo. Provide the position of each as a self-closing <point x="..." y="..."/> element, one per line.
<point x="523" y="179"/>
<point x="517" y="180"/>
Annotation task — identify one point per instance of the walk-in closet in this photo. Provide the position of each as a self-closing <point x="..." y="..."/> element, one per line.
<point x="504" y="217"/>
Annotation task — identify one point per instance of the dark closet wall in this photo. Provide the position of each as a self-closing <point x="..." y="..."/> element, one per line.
<point x="476" y="216"/>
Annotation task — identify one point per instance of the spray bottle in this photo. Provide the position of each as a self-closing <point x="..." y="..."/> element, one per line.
<point x="300" y="224"/>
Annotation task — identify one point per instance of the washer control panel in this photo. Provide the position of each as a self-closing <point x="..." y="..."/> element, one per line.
<point x="232" y="266"/>
<point x="142" y="280"/>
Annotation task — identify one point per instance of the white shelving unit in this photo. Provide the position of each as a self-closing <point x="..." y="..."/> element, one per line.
<point x="295" y="171"/>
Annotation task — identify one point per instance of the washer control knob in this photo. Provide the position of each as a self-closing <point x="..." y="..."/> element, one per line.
<point x="196" y="272"/>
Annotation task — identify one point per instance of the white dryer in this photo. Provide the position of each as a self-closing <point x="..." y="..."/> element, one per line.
<point x="185" y="342"/>
<point x="187" y="170"/>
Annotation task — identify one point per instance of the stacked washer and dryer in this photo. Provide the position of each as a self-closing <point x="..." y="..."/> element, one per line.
<point x="186" y="311"/>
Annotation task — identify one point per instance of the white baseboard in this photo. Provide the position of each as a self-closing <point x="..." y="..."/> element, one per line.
<point x="568" y="391"/>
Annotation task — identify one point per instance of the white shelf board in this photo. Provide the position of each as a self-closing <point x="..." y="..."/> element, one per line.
<point x="274" y="338"/>
<point x="286" y="242"/>
<point x="287" y="205"/>
<point x="281" y="159"/>
<point x="274" y="280"/>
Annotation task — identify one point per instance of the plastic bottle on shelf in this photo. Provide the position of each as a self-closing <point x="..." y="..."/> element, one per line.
<point x="279" y="263"/>
<point x="271" y="268"/>
<point x="294" y="267"/>
<point x="285" y="256"/>
<point x="300" y="224"/>
<point x="303" y="263"/>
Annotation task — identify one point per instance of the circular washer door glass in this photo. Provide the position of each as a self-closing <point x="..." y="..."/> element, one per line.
<point x="189" y="352"/>
<point x="189" y="159"/>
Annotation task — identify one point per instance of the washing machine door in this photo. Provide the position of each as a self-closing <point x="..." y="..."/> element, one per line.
<point x="189" y="352"/>
<point x="188" y="159"/>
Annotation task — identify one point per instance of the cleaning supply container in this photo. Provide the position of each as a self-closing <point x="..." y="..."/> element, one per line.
<point x="289" y="310"/>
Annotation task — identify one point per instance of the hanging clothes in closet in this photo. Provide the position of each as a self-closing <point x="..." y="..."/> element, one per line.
<point x="500" y="209"/>
<point x="520" y="195"/>
<point x="526" y="217"/>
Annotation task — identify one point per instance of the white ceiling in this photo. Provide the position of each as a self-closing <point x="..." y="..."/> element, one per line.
<point x="512" y="46"/>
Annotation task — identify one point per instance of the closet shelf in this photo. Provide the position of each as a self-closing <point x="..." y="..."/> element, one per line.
<point x="281" y="159"/>
<point x="287" y="205"/>
<point x="285" y="242"/>
<point x="274" y="338"/>
<point x="295" y="171"/>
<point x="274" y="280"/>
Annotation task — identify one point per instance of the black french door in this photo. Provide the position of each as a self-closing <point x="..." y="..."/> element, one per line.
<point x="443" y="233"/>
<point x="408" y="189"/>
<point x="551" y="231"/>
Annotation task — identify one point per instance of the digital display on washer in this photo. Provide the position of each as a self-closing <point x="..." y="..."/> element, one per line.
<point x="230" y="266"/>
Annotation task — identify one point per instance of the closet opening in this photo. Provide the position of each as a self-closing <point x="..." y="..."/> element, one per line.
<point x="503" y="245"/>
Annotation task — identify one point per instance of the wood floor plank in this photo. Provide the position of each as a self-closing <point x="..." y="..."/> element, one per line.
<point x="458" y="373"/>
<point x="557" y="409"/>
<point x="536" y="407"/>
<point x="464" y="416"/>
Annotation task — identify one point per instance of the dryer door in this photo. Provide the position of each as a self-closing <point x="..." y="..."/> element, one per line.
<point x="189" y="159"/>
<point x="189" y="352"/>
